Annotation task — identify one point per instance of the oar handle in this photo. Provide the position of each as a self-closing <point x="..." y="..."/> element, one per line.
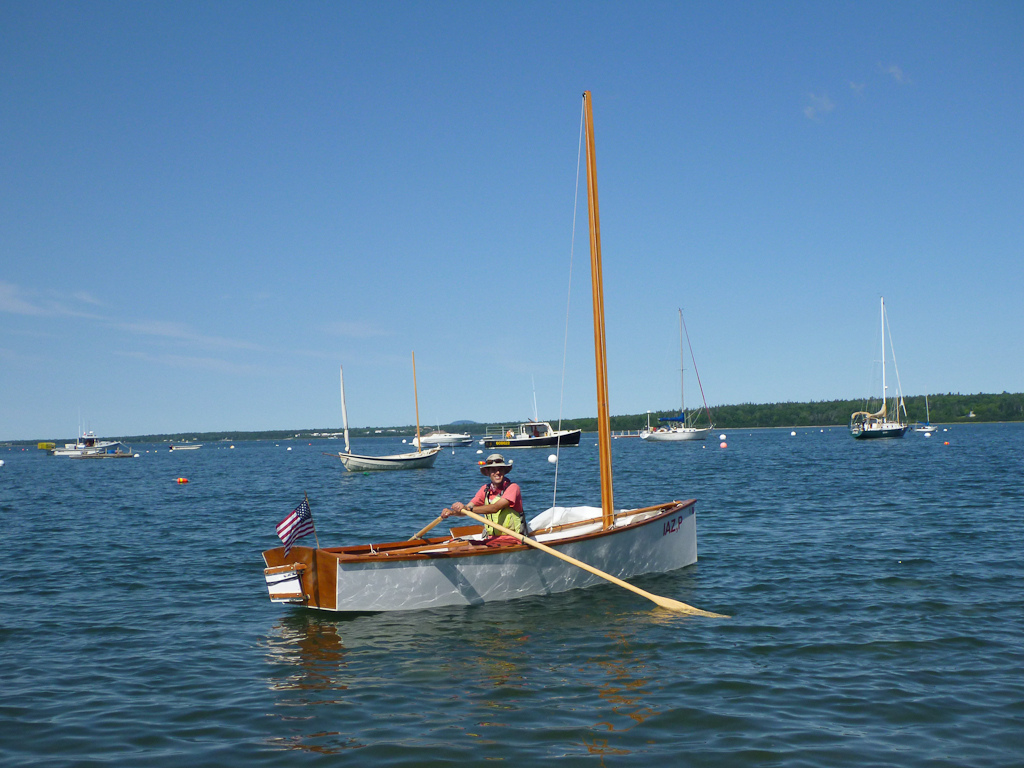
<point x="664" y="602"/>
<point x="419" y="535"/>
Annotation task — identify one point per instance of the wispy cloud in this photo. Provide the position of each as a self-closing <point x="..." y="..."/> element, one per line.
<point x="857" y="88"/>
<point x="17" y="301"/>
<point x="355" y="330"/>
<point x="14" y="301"/>
<point x="819" y="105"/>
<point x="182" y="332"/>
<point x="895" y="72"/>
<point x="88" y="298"/>
<point x="191" y="362"/>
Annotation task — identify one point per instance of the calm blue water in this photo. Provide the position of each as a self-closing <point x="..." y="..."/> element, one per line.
<point x="876" y="594"/>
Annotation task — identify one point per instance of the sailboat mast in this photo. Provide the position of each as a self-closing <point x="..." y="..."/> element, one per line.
<point x="884" y="407"/>
<point x="604" y="432"/>
<point x="415" y="397"/>
<point x="682" y="369"/>
<point x="344" y="410"/>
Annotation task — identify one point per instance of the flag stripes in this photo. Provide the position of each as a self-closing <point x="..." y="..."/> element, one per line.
<point x="298" y="524"/>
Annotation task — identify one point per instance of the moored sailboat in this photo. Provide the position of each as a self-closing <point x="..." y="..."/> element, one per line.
<point x="682" y="426"/>
<point x="927" y="428"/>
<point x="570" y="547"/>
<point x="354" y="462"/>
<point x="885" y="422"/>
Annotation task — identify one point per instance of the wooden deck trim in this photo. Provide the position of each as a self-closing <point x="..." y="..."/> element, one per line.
<point x="392" y="553"/>
<point x="285" y="568"/>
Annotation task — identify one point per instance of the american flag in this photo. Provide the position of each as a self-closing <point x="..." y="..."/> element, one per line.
<point x="298" y="524"/>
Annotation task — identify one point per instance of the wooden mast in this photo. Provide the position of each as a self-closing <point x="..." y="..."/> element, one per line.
<point x="416" y="397"/>
<point x="604" y="431"/>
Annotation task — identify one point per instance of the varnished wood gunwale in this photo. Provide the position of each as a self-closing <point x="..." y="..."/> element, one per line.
<point x="290" y="596"/>
<point x="285" y="568"/>
<point x="399" y="551"/>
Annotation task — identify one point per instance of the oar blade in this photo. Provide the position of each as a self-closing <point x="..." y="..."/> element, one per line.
<point x="680" y="607"/>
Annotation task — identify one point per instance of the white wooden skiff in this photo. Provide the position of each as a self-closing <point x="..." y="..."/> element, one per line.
<point x="436" y="572"/>
<point x="428" y="573"/>
<point x="353" y="462"/>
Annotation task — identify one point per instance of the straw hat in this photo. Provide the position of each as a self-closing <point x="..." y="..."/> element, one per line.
<point x="492" y="461"/>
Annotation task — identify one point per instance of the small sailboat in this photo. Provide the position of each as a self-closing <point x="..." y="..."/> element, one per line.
<point x="682" y="426"/>
<point x="885" y="422"/>
<point x="353" y="462"/>
<point x="569" y="548"/>
<point x="927" y="427"/>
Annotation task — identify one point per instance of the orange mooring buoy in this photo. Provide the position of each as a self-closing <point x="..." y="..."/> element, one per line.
<point x="182" y="480"/>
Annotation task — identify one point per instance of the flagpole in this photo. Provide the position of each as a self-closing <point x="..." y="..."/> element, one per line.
<point x="315" y="537"/>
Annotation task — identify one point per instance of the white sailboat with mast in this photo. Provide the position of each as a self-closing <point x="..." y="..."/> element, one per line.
<point x="353" y="462"/>
<point x="927" y="428"/>
<point x="885" y="422"/>
<point x="570" y="547"/>
<point x="682" y="426"/>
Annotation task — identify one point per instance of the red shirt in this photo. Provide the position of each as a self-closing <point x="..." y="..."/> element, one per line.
<point x="507" y="490"/>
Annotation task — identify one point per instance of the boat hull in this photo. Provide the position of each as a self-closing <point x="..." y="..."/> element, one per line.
<point x="75" y="451"/>
<point x="676" y="435"/>
<point x="418" y="460"/>
<point x="570" y="437"/>
<point x="445" y="440"/>
<point x="662" y="541"/>
<point x="878" y="433"/>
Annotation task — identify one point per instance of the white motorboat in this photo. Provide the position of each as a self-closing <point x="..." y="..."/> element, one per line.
<point x="531" y="434"/>
<point x="443" y="439"/>
<point x="88" y="443"/>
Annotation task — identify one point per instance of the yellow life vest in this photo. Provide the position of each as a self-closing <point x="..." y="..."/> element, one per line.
<point x="507" y="517"/>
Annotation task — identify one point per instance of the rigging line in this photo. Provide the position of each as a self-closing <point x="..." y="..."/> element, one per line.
<point x="568" y="297"/>
<point x="694" y="360"/>
<point x="899" y="385"/>
<point x="874" y="373"/>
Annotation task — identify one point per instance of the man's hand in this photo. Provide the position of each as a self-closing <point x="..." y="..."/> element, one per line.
<point x="456" y="509"/>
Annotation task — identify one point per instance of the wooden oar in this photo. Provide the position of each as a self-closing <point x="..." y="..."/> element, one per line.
<point x="420" y="534"/>
<point x="664" y="602"/>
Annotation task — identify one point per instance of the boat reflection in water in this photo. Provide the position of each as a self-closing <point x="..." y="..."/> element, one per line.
<point x="360" y="683"/>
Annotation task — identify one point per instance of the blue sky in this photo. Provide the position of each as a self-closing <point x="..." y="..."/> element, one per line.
<point x="209" y="207"/>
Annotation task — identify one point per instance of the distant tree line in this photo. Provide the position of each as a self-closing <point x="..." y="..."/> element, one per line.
<point x="944" y="409"/>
